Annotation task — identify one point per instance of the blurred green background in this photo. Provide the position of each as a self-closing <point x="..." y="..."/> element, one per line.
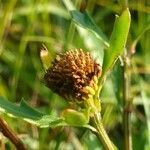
<point x="27" y="24"/>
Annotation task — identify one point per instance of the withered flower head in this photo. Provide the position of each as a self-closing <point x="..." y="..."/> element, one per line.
<point x="73" y="75"/>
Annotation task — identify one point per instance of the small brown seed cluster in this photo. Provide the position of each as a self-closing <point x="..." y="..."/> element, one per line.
<point x="71" y="73"/>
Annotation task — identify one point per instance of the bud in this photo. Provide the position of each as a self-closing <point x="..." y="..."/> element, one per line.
<point x="73" y="75"/>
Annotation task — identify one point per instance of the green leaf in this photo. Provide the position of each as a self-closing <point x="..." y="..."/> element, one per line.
<point x="23" y="110"/>
<point x="94" y="39"/>
<point x="29" y="114"/>
<point x="117" y="41"/>
<point x="85" y="21"/>
<point x="50" y="121"/>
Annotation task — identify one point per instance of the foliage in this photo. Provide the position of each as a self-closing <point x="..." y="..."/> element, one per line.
<point x="26" y="25"/>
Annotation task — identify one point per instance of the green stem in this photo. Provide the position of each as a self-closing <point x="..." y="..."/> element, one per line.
<point x="96" y="122"/>
<point x="126" y="105"/>
<point x="102" y="135"/>
<point x="127" y="131"/>
<point x="124" y="3"/>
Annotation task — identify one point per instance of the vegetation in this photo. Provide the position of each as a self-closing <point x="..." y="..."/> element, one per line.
<point x="119" y="110"/>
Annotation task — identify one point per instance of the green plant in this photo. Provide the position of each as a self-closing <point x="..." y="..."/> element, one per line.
<point x="87" y="106"/>
<point x="87" y="95"/>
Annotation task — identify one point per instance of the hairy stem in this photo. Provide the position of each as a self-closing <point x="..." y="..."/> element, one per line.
<point x="7" y="132"/>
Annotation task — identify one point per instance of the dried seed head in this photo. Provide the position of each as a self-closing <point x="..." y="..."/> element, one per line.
<point x="73" y="75"/>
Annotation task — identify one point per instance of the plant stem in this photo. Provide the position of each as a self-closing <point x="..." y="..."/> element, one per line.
<point x="126" y="104"/>
<point x="96" y="122"/>
<point x="124" y="3"/>
<point x="102" y="135"/>
<point x="11" y="135"/>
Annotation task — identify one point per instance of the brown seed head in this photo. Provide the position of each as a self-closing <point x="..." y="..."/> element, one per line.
<point x="73" y="74"/>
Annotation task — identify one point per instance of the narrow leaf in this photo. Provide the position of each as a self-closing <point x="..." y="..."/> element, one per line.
<point x="85" y="21"/>
<point x="117" y="41"/>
